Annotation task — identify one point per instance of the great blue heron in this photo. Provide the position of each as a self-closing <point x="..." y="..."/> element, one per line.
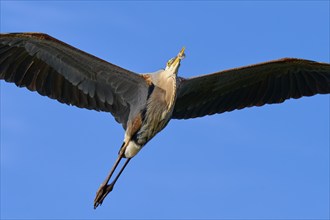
<point x="145" y="103"/>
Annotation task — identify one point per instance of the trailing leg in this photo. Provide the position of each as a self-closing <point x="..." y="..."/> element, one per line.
<point x="106" y="188"/>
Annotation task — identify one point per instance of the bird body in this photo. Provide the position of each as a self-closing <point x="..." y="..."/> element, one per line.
<point x="156" y="113"/>
<point x="144" y="104"/>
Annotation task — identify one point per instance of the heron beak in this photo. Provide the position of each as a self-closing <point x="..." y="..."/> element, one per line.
<point x="179" y="57"/>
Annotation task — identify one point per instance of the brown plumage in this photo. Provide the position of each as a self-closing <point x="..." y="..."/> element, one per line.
<point x="144" y="104"/>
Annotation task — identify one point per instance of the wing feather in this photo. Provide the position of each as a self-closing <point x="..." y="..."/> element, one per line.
<point x="57" y="70"/>
<point x="256" y="85"/>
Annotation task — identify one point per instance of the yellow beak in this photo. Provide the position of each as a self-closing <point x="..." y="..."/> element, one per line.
<point x="179" y="57"/>
<point x="181" y="54"/>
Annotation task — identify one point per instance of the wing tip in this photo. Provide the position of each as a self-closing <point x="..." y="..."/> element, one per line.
<point x="37" y="35"/>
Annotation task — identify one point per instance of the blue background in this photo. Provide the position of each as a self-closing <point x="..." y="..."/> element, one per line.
<point x="268" y="162"/>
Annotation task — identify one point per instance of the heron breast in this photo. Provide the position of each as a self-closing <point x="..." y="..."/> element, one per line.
<point x="156" y="116"/>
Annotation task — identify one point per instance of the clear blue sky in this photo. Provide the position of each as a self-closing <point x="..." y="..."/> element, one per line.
<point x="268" y="162"/>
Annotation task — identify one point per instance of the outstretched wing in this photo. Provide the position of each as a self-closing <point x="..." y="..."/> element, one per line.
<point x="256" y="85"/>
<point x="57" y="70"/>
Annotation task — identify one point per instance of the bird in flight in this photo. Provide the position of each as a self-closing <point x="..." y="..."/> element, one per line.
<point x="144" y="103"/>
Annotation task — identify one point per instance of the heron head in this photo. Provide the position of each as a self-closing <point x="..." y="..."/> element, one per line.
<point x="174" y="63"/>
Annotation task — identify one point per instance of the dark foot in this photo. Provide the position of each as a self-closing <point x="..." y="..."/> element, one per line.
<point x="101" y="193"/>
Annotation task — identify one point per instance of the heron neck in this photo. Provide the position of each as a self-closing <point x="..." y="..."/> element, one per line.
<point x="166" y="80"/>
<point x="170" y="87"/>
